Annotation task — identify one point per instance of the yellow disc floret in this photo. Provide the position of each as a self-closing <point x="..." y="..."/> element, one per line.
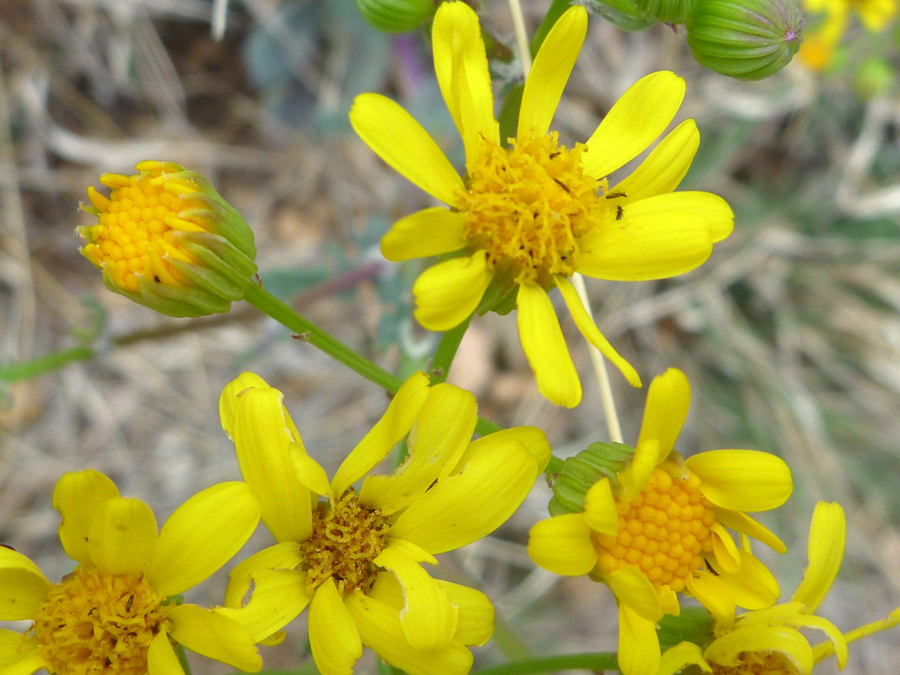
<point x="758" y="663"/>
<point x="137" y="229"/>
<point x="346" y="538"/>
<point x="97" y="623"/>
<point x="664" y="531"/>
<point x="528" y="206"/>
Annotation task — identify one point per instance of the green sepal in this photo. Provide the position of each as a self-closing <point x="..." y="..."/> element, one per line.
<point x="623" y="14"/>
<point x="579" y="473"/>
<point x="396" y="16"/>
<point x="500" y="296"/>
<point x="664" y="11"/>
<point x="694" y="624"/>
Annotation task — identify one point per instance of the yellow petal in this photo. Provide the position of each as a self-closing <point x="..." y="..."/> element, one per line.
<point x="534" y="440"/>
<point x="665" y="411"/>
<point x="467" y="506"/>
<point x="263" y="441"/>
<point x="725" y="650"/>
<point x="446" y="294"/>
<point x="10" y="644"/>
<point x="284" y="556"/>
<point x="279" y="596"/>
<point x="476" y="613"/>
<point x="22" y="586"/>
<point x="600" y="508"/>
<point x="712" y="208"/>
<point x="403" y="144"/>
<point x="308" y="471"/>
<point x="122" y="536"/>
<point x="379" y="627"/>
<point x="228" y="401"/>
<point x="396" y="422"/>
<point x="725" y="550"/>
<point x="422" y="234"/>
<point x="428" y="618"/>
<point x="664" y="167"/>
<point x="77" y="496"/>
<point x="441" y="433"/>
<point x="753" y="586"/>
<point x="161" y="657"/>
<point x="592" y="334"/>
<point x="827" y="534"/>
<point x="550" y="72"/>
<point x="202" y="535"/>
<point x="215" y="636"/>
<point x="545" y="347"/>
<point x="638" y="643"/>
<point x="562" y="544"/>
<point x="653" y="239"/>
<point x="713" y="593"/>
<point x="634" y="589"/>
<point x="680" y="656"/>
<point x="742" y="480"/>
<point x="25" y="664"/>
<point x="744" y="524"/>
<point x="335" y="642"/>
<point x="460" y="63"/>
<point x="837" y="639"/>
<point x="633" y="123"/>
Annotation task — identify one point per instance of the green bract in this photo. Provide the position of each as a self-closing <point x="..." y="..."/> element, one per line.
<point x="396" y="16"/>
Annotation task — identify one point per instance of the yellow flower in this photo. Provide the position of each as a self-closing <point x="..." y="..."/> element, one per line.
<point x="166" y="239"/>
<point x="114" y="614"/>
<point x="528" y="217"/>
<point x="817" y="50"/>
<point x="354" y="558"/>
<point x="769" y="640"/>
<point x="658" y="527"/>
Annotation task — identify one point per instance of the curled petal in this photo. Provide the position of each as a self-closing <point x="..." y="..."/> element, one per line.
<point x="446" y="294"/>
<point x="742" y="480"/>
<point x="563" y="545"/>
<point x="827" y="534"/>
<point x="215" y="636"/>
<point x="77" y="496"/>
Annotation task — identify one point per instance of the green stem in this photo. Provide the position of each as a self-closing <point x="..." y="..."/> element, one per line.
<point x="44" y="364"/>
<point x="556" y="10"/>
<point x="309" y="332"/>
<point x="446" y="351"/>
<point x="597" y="661"/>
<point x="181" y="652"/>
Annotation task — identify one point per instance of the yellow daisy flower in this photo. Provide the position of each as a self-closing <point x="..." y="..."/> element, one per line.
<point x="769" y="640"/>
<point x="355" y="557"/>
<point x="654" y="524"/>
<point x="528" y="217"/>
<point x="818" y="48"/>
<point x="114" y="614"/>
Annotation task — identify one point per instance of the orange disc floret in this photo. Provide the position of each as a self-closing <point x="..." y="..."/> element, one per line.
<point x="664" y="531"/>
<point x="137" y="230"/>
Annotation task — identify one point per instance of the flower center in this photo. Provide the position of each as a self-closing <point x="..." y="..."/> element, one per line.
<point x="758" y="663"/>
<point x="528" y="206"/>
<point x="346" y="538"/>
<point x="137" y="232"/>
<point x="664" y="531"/>
<point x="98" y="623"/>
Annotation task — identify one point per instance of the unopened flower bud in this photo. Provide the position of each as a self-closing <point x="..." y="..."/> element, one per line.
<point x="396" y="16"/>
<point x="623" y="14"/>
<point x="665" y="11"/>
<point x="579" y="473"/>
<point x="744" y="39"/>
<point x="166" y="239"/>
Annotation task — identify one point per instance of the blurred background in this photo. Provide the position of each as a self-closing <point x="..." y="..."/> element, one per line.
<point x="790" y="333"/>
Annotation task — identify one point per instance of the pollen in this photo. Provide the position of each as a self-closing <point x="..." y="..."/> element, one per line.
<point x="97" y="623"/>
<point x="664" y="531"/>
<point x="529" y="205"/>
<point x="758" y="663"/>
<point x="346" y="538"/>
<point x="137" y="233"/>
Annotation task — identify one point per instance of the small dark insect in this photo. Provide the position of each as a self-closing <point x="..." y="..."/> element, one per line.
<point x="710" y="567"/>
<point x="553" y="155"/>
<point x="613" y="195"/>
<point x="562" y="185"/>
<point x="155" y="278"/>
<point x="129" y="603"/>
<point x="619" y="212"/>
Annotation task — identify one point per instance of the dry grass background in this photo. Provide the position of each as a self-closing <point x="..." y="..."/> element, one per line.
<point x="790" y="334"/>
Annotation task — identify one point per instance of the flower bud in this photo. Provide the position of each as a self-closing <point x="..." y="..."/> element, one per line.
<point x="623" y="14"/>
<point x="579" y="473"/>
<point x="744" y="39"/>
<point x="665" y="11"/>
<point x="396" y="16"/>
<point x="167" y="240"/>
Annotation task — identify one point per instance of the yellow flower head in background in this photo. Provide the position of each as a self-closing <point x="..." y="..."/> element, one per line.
<point x="114" y="614"/>
<point x="658" y="528"/>
<point x="769" y="640"/>
<point x="528" y="217"/>
<point x="355" y="557"/>
<point x="817" y="50"/>
<point x="166" y="239"/>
